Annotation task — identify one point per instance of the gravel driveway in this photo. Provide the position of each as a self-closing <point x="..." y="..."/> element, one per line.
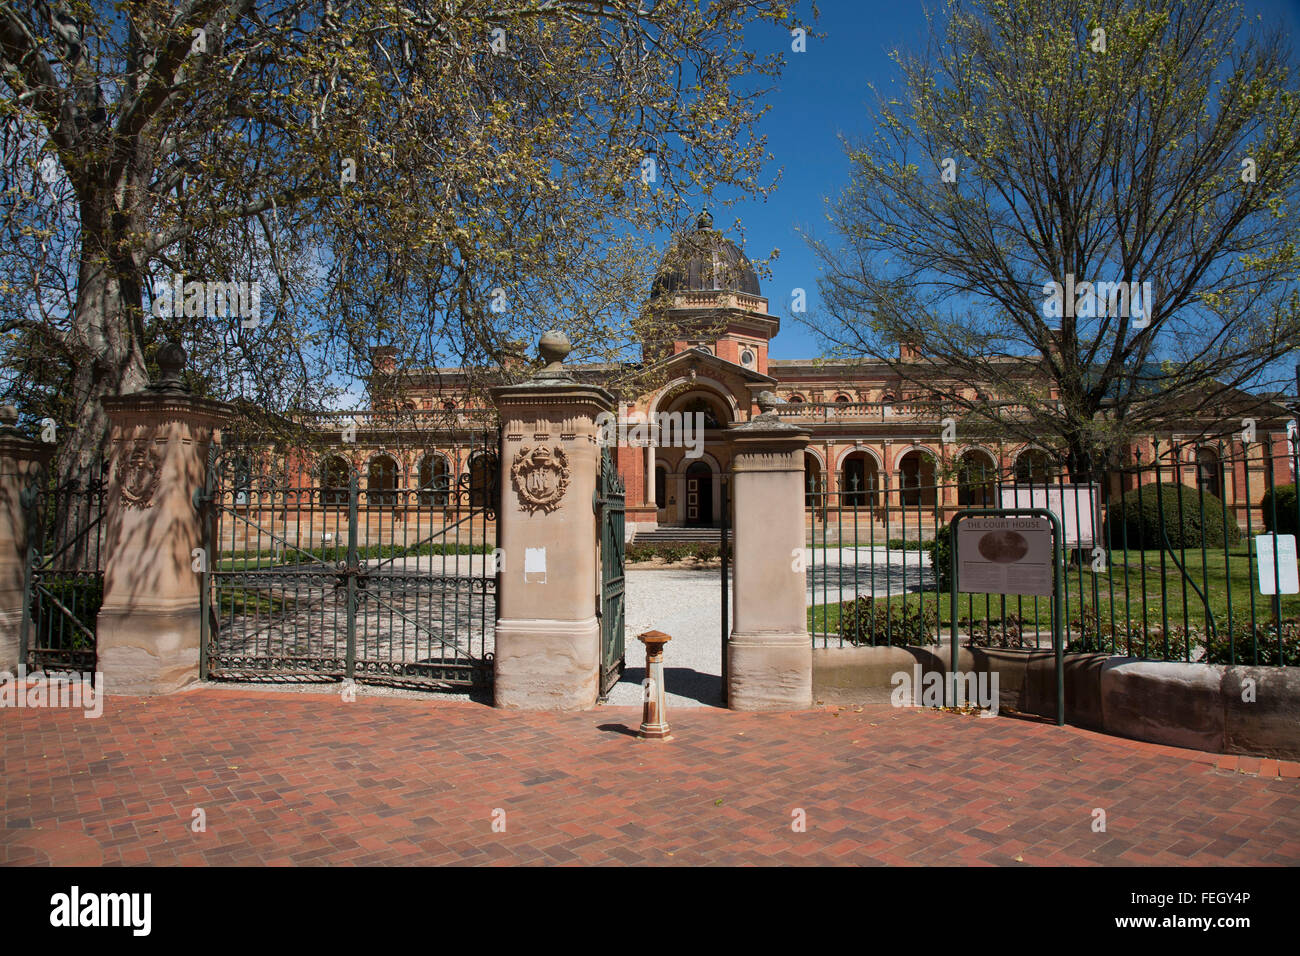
<point x="687" y="606"/>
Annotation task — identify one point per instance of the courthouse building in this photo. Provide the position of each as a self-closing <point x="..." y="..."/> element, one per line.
<point x="874" y="437"/>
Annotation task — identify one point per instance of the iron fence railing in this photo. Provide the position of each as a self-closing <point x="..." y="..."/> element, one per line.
<point x="1163" y="559"/>
<point x="385" y="581"/>
<point x="65" y="572"/>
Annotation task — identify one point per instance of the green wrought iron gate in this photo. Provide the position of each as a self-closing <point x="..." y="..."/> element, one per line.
<point x="65" y="573"/>
<point x="323" y="575"/>
<point x="609" y="502"/>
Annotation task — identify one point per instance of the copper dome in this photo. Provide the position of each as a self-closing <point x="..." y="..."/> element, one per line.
<point x="705" y="261"/>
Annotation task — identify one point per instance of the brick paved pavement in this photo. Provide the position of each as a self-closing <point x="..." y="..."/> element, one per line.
<point x="305" y="779"/>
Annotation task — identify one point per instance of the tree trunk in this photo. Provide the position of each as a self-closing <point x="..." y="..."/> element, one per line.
<point x="106" y="334"/>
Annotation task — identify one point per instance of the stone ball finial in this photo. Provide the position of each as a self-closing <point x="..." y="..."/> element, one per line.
<point x="554" y="346"/>
<point x="171" y="362"/>
<point x="767" y="401"/>
<point x="8" y="416"/>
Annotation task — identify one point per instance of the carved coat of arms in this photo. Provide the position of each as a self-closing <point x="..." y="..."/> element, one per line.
<point x="540" y="476"/>
<point x="138" y="473"/>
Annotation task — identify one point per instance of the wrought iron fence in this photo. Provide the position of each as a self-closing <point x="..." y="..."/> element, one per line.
<point x="65" y="572"/>
<point x="1165" y="559"/>
<point x="315" y="575"/>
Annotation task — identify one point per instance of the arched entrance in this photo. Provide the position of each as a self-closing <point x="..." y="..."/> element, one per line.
<point x="699" y="495"/>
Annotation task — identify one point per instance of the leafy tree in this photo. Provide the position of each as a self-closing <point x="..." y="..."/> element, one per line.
<point x="443" y="179"/>
<point x="1155" y="143"/>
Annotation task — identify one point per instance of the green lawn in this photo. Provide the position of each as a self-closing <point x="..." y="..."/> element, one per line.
<point x="241" y="602"/>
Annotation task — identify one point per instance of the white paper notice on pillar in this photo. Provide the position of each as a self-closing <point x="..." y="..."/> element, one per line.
<point x="1005" y="556"/>
<point x="1286" y="573"/>
<point x="534" y="565"/>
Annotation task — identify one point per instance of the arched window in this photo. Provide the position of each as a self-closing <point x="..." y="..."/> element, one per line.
<point x="859" y="479"/>
<point x="482" y="473"/>
<point x="842" y="399"/>
<point x="381" y="481"/>
<point x="916" y="480"/>
<point x="1209" y="472"/>
<point x="335" y="478"/>
<point x="976" y="480"/>
<point x="435" y="480"/>
<point x="795" y="399"/>
<point x="699" y="406"/>
<point x="812" y="481"/>
<point x="1033" y="467"/>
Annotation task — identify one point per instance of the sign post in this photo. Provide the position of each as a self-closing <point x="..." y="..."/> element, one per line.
<point x="1010" y="551"/>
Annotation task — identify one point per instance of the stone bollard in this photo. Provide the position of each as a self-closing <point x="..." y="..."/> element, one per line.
<point x="654" y="716"/>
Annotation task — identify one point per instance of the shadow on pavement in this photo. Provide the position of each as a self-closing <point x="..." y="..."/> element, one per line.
<point x="682" y="682"/>
<point x="618" y="729"/>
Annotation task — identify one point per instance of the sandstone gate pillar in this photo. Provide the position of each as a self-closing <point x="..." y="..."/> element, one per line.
<point x="149" y="624"/>
<point x="548" y="651"/>
<point x="769" y="652"/>
<point x="22" y="462"/>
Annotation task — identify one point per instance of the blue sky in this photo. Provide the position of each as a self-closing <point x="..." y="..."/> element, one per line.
<point x="822" y="95"/>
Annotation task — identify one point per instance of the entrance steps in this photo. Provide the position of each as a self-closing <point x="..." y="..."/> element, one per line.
<point x="678" y="536"/>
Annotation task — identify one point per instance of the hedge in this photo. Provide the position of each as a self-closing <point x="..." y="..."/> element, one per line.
<point x="1287" y="515"/>
<point x="1135" y="519"/>
<point x="867" y="621"/>
<point x="940" y="551"/>
<point x="672" y="552"/>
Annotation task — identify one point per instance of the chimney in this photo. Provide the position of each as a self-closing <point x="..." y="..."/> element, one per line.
<point x="383" y="359"/>
<point x="1052" y="334"/>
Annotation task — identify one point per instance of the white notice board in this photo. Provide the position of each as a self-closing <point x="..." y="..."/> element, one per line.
<point x="1005" y="556"/>
<point x="1286" y="564"/>
<point x="1074" y="505"/>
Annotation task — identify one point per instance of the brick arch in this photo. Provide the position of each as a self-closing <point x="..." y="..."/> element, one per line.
<point x="318" y="468"/>
<point x="702" y="383"/>
<point x="901" y="453"/>
<point x="851" y="449"/>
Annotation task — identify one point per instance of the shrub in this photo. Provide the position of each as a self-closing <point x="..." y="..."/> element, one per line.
<point x="940" y="551"/>
<point x="908" y="544"/>
<point x="1135" y="519"/>
<point x="676" y="552"/>
<point x="672" y="552"/>
<point x="1219" y="648"/>
<point x="995" y="632"/>
<point x="1129" y="638"/>
<point x="639" y="552"/>
<point x="868" y="621"/>
<point x="1288" y="515"/>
